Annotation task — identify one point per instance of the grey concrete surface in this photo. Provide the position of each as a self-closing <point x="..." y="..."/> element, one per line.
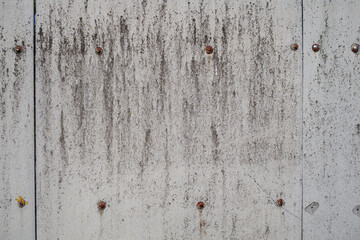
<point x="16" y="120"/>
<point x="154" y="124"/>
<point x="331" y="119"/>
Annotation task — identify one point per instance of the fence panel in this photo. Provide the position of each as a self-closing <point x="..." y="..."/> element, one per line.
<point x="151" y="124"/>
<point x="331" y="120"/>
<point x="17" y="120"/>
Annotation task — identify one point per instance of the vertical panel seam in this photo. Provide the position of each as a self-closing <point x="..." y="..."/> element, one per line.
<point x="34" y="110"/>
<point x="302" y="119"/>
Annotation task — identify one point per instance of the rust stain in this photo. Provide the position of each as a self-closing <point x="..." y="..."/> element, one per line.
<point x="200" y="206"/>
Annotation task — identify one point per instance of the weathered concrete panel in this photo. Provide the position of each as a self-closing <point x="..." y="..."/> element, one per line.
<point x="16" y="120"/>
<point x="154" y="124"/>
<point x="331" y="120"/>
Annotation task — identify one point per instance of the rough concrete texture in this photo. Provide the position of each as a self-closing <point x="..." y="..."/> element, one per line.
<point x="154" y="124"/>
<point x="16" y="120"/>
<point x="331" y="117"/>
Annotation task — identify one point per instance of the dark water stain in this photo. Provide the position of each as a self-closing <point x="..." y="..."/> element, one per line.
<point x="146" y="151"/>
<point x="79" y="98"/>
<point x="215" y="140"/>
<point x="124" y="35"/>
<point x="234" y="221"/>
<point x="81" y="33"/>
<point x="261" y="103"/>
<point x="86" y="5"/>
<point x="108" y="92"/>
<point x="165" y="206"/>
<point x="162" y="81"/>
<point x="167" y="167"/>
<point x="188" y="110"/>
<point x="194" y="71"/>
<point x="62" y="139"/>
<point x="144" y="4"/>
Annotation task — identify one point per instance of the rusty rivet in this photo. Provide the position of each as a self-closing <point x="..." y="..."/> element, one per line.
<point x="18" y="49"/>
<point x="315" y="47"/>
<point x="209" y="49"/>
<point x="280" y="202"/>
<point x="200" y="205"/>
<point x="355" y="48"/>
<point x="98" y="50"/>
<point x="294" y="46"/>
<point x="21" y="202"/>
<point x="101" y="205"/>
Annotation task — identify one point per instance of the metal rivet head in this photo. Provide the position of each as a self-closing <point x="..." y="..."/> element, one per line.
<point x="315" y="47"/>
<point x="294" y="46"/>
<point x="209" y="49"/>
<point x="200" y="205"/>
<point x="98" y="50"/>
<point x="355" y="48"/>
<point x="18" y="49"/>
<point x="101" y="205"/>
<point x="21" y="202"/>
<point x="280" y="202"/>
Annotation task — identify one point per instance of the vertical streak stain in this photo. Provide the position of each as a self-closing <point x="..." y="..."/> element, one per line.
<point x="215" y="140"/>
<point x="146" y="152"/>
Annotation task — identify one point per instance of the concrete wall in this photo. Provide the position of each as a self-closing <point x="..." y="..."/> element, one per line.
<point x="16" y="120"/>
<point x="154" y="124"/>
<point x="331" y="120"/>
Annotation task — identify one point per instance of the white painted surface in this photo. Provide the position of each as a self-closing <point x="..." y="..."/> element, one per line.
<point x="16" y="120"/>
<point x="331" y="119"/>
<point x="154" y="125"/>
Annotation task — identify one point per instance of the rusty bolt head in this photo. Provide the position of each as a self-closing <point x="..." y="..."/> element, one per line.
<point x="98" y="50"/>
<point x="101" y="205"/>
<point x="315" y="47"/>
<point x="280" y="202"/>
<point x="200" y="205"/>
<point x="355" y="48"/>
<point x="21" y="202"/>
<point x="294" y="46"/>
<point x="18" y="49"/>
<point x="209" y="49"/>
